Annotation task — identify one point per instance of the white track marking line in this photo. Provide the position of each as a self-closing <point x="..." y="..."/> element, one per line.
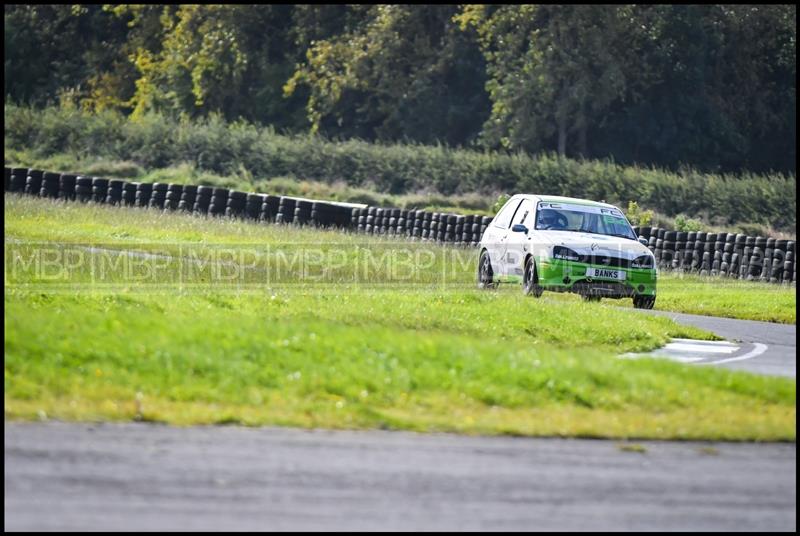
<point x="704" y="343"/>
<point x="758" y="350"/>
<point x="696" y="352"/>
<point x="700" y="348"/>
<point x="687" y="359"/>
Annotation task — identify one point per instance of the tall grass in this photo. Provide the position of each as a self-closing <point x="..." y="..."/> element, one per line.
<point x="258" y="153"/>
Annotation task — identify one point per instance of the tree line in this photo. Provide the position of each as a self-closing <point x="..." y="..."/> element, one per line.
<point x="706" y="86"/>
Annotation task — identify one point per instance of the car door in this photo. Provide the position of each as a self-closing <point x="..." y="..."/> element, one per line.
<point x="497" y="232"/>
<point x="518" y="245"/>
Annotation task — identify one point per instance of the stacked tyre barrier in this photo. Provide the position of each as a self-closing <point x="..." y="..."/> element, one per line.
<point x="188" y="197"/>
<point x="219" y="201"/>
<point x="731" y="255"/>
<point x="144" y="190"/>
<point x="302" y="212"/>
<point x="202" y="199"/>
<point x="83" y="188"/>
<point x="99" y="189"/>
<point x="66" y="186"/>
<point x="285" y="210"/>
<point x="269" y="208"/>
<point x="129" y="193"/>
<point x="173" y="197"/>
<point x="17" y="179"/>
<point x="33" y="182"/>
<point x="49" y="186"/>
<point x="158" y="195"/>
<point x="237" y="202"/>
<point x="114" y="192"/>
<point x="252" y="205"/>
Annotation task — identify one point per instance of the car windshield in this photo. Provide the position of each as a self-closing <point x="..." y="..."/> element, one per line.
<point x="582" y="219"/>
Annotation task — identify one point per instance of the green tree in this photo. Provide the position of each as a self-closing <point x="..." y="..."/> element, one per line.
<point x="709" y="86"/>
<point x="404" y="72"/>
<point x="202" y="59"/>
<point x="52" y="49"/>
<point x="553" y="71"/>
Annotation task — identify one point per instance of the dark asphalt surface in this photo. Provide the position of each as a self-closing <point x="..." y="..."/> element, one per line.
<point x="62" y="476"/>
<point x="780" y="357"/>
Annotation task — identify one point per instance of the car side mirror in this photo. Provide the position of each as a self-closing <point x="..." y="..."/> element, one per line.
<point x="519" y="228"/>
<point x="643" y="241"/>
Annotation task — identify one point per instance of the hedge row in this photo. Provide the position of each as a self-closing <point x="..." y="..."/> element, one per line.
<point x="156" y="141"/>
<point x="722" y="254"/>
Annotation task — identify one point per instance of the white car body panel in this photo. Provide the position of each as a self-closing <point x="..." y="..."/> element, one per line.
<point x="508" y="249"/>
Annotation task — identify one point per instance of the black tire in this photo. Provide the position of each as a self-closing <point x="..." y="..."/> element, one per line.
<point x="644" y="302"/>
<point x="485" y="274"/>
<point x="530" y="282"/>
<point x="590" y="298"/>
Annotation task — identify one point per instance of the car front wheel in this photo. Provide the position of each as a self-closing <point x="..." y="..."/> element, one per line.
<point x="530" y="285"/>
<point x="485" y="275"/>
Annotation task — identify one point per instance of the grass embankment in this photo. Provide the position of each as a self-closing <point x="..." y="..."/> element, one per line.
<point x="427" y="354"/>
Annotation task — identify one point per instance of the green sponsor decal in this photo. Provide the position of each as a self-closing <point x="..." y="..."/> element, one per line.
<point x="613" y="220"/>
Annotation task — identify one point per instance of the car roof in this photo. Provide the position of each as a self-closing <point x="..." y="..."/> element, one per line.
<point x="561" y="199"/>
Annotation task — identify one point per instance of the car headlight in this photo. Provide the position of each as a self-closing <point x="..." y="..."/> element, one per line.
<point x="565" y="254"/>
<point x="643" y="261"/>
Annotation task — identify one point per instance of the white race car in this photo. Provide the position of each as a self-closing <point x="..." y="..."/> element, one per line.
<point x="567" y="245"/>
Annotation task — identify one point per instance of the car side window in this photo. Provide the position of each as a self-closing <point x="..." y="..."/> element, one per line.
<point x="523" y="212"/>
<point x="503" y="218"/>
<point x="530" y="219"/>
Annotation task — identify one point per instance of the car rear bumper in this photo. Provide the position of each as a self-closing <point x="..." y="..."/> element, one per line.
<point x="568" y="276"/>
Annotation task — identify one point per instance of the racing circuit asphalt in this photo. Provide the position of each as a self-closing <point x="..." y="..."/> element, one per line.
<point x="778" y="342"/>
<point x="134" y="477"/>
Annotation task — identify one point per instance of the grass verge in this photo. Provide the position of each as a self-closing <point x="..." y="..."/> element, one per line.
<point x="35" y="219"/>
<point x="434" y="355"/>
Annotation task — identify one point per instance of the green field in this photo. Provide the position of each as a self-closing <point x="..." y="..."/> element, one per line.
<point x="366" y="332"/>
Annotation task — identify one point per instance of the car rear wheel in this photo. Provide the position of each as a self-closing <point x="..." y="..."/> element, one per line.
<point x="590" y="298"/>
<point x="485" y="275"/>
<point x="644" y="302"/>
<point x="530" y="285"/>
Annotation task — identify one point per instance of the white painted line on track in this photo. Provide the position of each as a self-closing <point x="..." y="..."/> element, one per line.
<point x="701" y="352"/>
<point x="688" y="359"/>
<point x="756" y="351"/>
<point x="702" y="348"/>
<point x="704" y="343"/>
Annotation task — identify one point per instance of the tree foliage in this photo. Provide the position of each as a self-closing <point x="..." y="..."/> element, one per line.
<point x="709" y="86"/>
<point x="405" y="72"/>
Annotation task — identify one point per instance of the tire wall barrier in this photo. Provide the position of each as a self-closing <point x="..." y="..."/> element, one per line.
<point x="731" y="255"/>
